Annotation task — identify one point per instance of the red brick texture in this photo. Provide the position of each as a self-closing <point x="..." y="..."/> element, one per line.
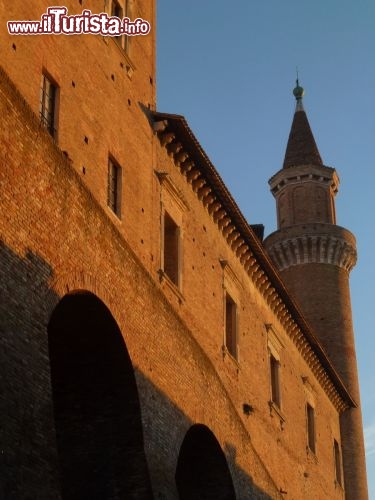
<point x="57" y="239"/>
<point x="61" y="244"/>
<point x="315" y="257"/>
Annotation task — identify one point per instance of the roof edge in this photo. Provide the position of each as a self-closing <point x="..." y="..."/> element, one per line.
<point x="178" y="125"/>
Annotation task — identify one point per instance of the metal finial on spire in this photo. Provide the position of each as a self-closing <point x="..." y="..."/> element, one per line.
<point x="298" y="93"/>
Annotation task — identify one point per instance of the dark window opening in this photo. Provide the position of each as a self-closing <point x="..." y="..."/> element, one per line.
<point x="117" y="11"/>
<point x="171" y="249"/>
<point x="231" y="325"/>
<point x="114" y="187"/>
<point x="121" y="11"/>
<point x="310" y="415"/>
<point x="48" y="104"/>
<point x="338" y="471"/>
<point x="275" y="380"/>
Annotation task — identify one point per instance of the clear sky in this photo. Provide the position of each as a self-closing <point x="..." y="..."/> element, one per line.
<point x="229" y="68"/>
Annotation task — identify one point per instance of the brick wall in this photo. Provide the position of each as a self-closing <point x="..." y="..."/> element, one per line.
<point x="59" y="237"/>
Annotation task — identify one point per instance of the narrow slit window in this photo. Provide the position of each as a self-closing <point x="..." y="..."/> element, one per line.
<point x="48" y="104"/>
<point x="171" y="249"/>
<point x="231" y="325"/>
<point x="311" y="437"/>
<point x="114" y="187"/>
<point x="275" y="380"/>
<point x="337" y="454"/>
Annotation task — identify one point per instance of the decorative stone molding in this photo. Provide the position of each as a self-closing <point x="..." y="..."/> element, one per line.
<point x="186" y="166"/>
<point x="193" y="174"/>
<point x="172" y="189"/>
<point x="174" y="147"/>
<point x="230" y="276"/>
<point x="203" y="192"/>
<point x="160" y="126"/>
<point x="181" y="156"/>
<point x="166" y="138"/>
<point x="305" y="173"/>
<point x="318" y="248"/>
<point x="198" y="184"/>
<point x="205" y="182"/>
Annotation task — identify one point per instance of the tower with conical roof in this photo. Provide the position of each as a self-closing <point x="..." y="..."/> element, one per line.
<point x="314" y="257"/>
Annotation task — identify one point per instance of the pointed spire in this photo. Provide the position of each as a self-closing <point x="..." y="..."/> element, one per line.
<point x="301" y="148"/>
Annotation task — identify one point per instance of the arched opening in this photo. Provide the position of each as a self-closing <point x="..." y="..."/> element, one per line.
<point x="96" y="406"/>
<point x="202" y="470"/>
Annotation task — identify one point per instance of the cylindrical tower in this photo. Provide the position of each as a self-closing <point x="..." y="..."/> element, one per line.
<point x="314" y="257"/>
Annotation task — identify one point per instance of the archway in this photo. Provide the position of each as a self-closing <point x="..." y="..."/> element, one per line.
<point x="96" y="406"/>
<point x="202" y="470"/>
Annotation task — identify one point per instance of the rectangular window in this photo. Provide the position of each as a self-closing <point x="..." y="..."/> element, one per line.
<point x="310" y="416"/>
<point x="120" y="9"/>
<point x="338" y="472"/>
<point x="171" y="249"/>
<point x="275" y="380"/>
<point x="114" y="187"/>
<point x="48" y="104"/>
<point x="231" y="325"/>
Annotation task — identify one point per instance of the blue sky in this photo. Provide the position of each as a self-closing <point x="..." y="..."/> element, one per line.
<point x="229" y="68"/>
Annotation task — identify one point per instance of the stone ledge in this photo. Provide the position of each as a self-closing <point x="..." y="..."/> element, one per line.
<point x="312" y="243"/>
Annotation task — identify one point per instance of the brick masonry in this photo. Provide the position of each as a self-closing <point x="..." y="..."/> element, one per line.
<point x="58" y="237"/>
<point x="315" y="257"/>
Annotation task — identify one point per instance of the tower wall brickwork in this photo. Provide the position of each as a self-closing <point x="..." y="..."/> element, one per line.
<point x="314" y="257"/>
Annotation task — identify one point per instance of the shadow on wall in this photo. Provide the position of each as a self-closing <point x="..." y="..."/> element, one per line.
<point x="93" y="404"/>
<point x="193" y="466"/>
<point x="202" y="470"/>
<point x="28" y="461"/>
<point x="96" y="406"/>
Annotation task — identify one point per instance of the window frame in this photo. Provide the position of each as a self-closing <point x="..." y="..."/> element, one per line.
<point x="173" y="202"/>
<point x="274" y="347"/>
<point x="231" y="337"/>
<point x="48" y="104"/>
<point x="274" y="366"/>
<point x="311" y="427"/>
<point x="175" y="254"/>
<point x="123" y="41"/>
<point x="337" y="460"/>
<point x="114" y="186"/>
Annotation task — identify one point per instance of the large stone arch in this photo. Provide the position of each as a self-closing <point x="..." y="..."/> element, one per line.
<point x="202" y="470"/>
<point x="163" y="384"/>
<point x="96" y="405"/>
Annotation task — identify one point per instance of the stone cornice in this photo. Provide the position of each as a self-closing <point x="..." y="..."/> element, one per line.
<point x="319" y="174"/>
<point x="180" y="143"/>
<point x="312" y="243"/>
<point x="173" y="190"/>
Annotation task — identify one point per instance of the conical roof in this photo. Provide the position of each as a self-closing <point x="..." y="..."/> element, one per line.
<point x="301" y="148"/>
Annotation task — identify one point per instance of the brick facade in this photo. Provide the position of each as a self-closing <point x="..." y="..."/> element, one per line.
<point x="74" y="276"/>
